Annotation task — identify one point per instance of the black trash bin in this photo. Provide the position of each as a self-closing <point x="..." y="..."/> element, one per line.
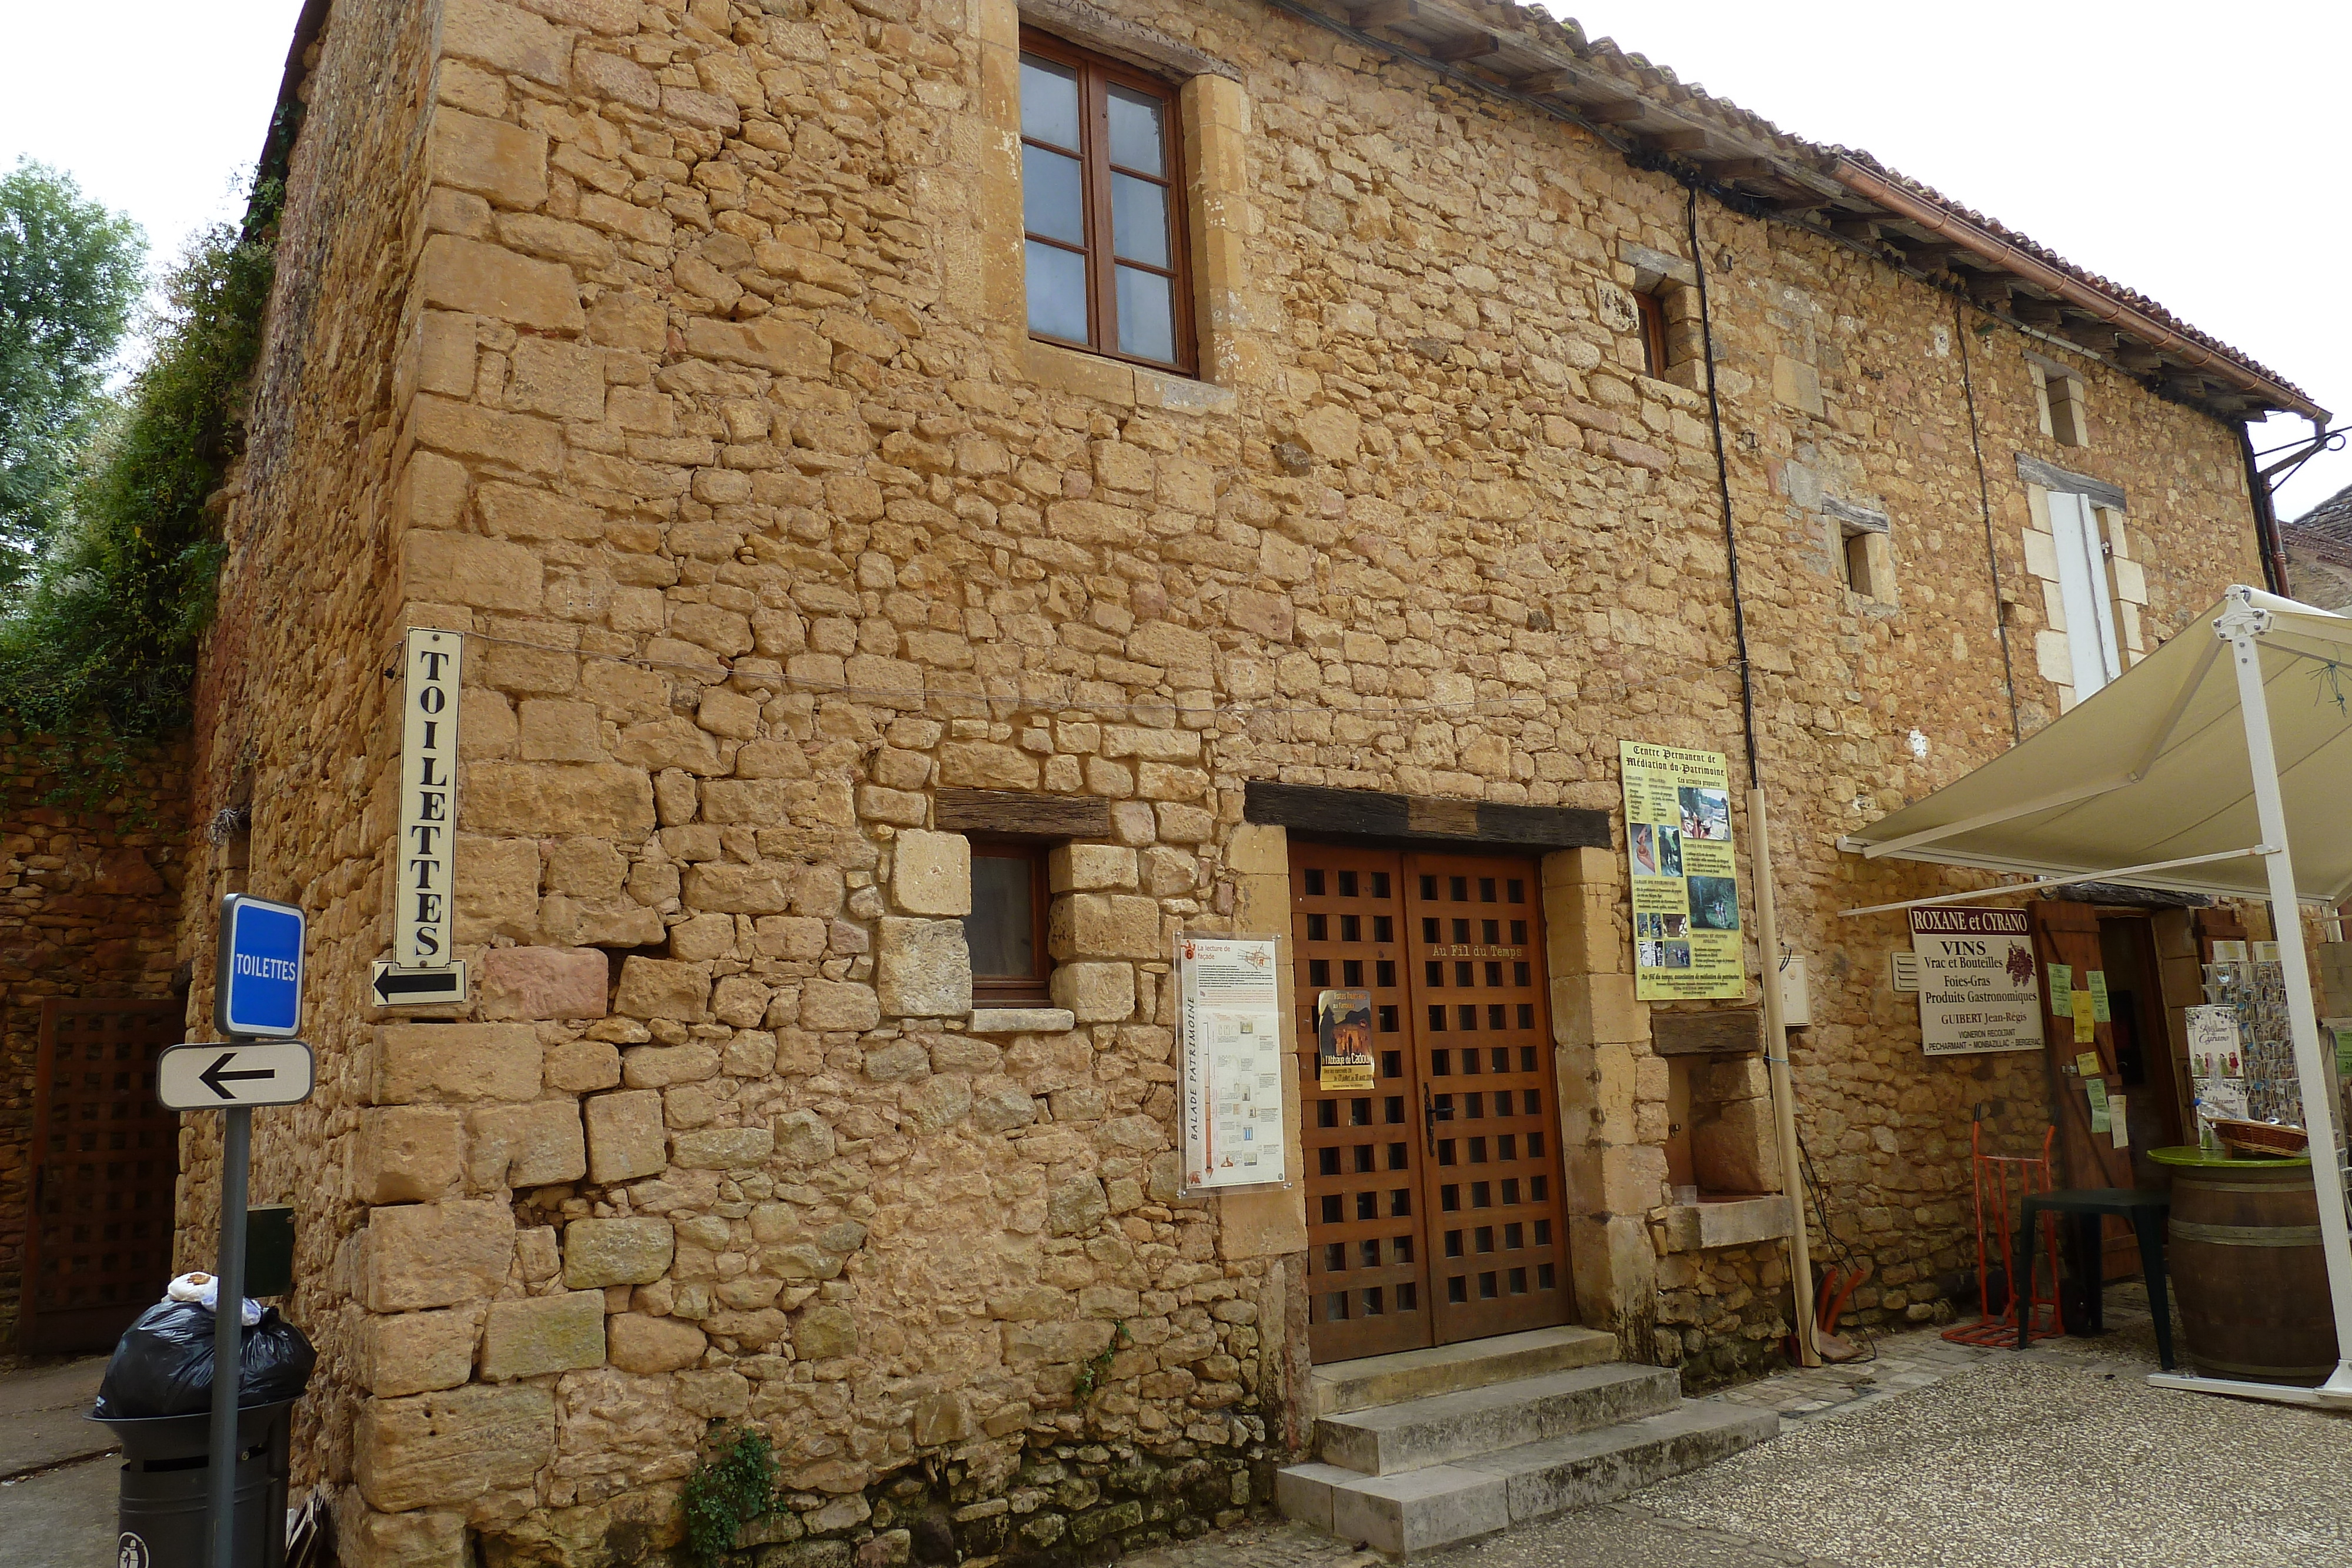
<point x="166" y="1479"/>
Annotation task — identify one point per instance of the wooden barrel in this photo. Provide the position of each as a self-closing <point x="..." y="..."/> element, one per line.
<point x="2243" y="1253"/>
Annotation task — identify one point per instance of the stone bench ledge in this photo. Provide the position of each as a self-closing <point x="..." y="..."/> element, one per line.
<point x="1022" y="1020"/>
<point x="1726" y="1222"/>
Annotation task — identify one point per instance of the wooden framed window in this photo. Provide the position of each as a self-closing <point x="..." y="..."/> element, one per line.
<point x="1006" y="928"/>
<point x="1101" y="210"/>
<point x="1653" y="332"/>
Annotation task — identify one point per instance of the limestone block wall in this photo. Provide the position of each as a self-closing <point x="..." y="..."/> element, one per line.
<point x="89" y="901"/>
<point x="291" y="736"/>
<point x="674" y="354"/>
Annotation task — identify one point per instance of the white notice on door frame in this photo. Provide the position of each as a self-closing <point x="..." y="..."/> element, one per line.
<point x="423" y="917"/>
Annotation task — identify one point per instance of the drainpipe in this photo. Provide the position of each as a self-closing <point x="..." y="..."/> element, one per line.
<point x="1759" y="857"/>
<point x="2266" y="528"/>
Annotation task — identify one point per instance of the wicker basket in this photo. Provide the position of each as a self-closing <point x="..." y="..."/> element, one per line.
<point x="2261" y="1139"/>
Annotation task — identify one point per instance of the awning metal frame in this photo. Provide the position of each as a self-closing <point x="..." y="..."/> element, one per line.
<point x="2246" y="618"/>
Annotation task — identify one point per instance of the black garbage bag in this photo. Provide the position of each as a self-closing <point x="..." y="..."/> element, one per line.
<point x="163" y="1365"/>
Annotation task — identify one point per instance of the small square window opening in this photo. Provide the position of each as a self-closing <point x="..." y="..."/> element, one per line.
<point x="1006" y="928"/>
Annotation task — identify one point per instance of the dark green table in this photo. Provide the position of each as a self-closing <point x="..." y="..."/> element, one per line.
<point x="2085" y="1207"/>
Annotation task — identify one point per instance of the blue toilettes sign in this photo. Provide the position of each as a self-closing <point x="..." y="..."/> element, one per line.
<point x="259" y="987"/>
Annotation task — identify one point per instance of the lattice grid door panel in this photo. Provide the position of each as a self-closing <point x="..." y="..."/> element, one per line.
<point x="1497" y="1220"/>
<point x="1367" y="1275"/>
<point x="106" y="1156"/>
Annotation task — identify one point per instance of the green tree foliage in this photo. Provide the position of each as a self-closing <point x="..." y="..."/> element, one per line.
<point x="69" y="272"/>
<point x="99" y="642"/>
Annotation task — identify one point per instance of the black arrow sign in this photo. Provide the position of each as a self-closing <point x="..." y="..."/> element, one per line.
<point x="213" y="1078"/>
<point x="393" y="983"/>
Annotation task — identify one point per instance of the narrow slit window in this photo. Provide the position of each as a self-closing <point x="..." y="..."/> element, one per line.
<point x="1652" y="311"/>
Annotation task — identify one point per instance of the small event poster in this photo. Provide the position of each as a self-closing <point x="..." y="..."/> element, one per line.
<point x="1685" y="887"/>
<point x="2061" y="991"/>
<point x="1976" y="989"/>
<point x="2214" y="1048"/>
<point x="1343" y="1039"/>
<point x="2099" y="1007"/>
<point x="1233" y="1067"/>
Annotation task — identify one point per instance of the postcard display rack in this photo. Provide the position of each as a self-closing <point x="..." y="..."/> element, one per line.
<point x="2247" y="1070"/>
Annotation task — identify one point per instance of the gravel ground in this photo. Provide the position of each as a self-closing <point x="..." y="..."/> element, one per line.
<point x="2053" y="1459"/>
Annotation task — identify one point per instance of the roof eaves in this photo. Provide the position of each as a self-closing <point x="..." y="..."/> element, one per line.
<point x="1641" y="107"/>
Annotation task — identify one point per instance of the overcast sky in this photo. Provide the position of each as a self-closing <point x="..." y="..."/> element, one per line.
<point x="2185" y="151"/>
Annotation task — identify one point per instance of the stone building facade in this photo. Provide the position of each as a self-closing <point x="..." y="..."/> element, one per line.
<point x="677" y="356"/>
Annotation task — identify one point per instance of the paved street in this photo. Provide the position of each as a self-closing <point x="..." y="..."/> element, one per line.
<point x="1932" y="1454"/>
<point x="57" y="1495"/>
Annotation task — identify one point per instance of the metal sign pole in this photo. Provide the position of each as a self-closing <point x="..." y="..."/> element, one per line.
<point x="229" y="1327"/>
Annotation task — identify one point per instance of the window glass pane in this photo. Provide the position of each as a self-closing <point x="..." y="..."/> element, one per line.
<point x="1136" y="139"/>
<point x="1049" y="101"/>
<point x="1139" y="220"/>
<point x="1002" y="928"/>
<point x="1057" y="292"/>
<point x="2083" y="589"/>
<point x="1147" y="316"/>
<point x="1050" y="203"/>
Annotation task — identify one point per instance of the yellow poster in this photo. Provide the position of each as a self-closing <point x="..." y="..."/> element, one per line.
<point x="1686" y="885"/>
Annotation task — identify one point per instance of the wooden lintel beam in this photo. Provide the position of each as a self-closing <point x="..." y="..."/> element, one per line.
<point x="2137" y="357"/>
<point x="1989" y="288"/>
<point x="1613" y="111"/>
<point x="1477" y="46"/>
<point x="1933" y="256"/>
<point x="1742" y="169"/>
<point x="1383" y="13"/>
<point x="1541" y="82"/>
<point x="2093" y="334"/>
<point x="1680" y="141"/>
<point x="2036" y="312"/>
<point x="1863" y="229"/>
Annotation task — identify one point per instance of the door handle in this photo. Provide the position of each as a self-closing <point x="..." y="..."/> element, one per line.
<point x="1432" y="1113"/>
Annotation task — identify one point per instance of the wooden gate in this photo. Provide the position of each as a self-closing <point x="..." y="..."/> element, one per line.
<point x="98" y="1241"/>
<point x="1435" y="1204"/>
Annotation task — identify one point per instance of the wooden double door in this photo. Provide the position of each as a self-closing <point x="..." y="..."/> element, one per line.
<point x="105" y="1161"/>
<point x="1434" y="1208"/>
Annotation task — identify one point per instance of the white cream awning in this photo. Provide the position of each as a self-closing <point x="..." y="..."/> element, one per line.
<point x="2153" y="769"/>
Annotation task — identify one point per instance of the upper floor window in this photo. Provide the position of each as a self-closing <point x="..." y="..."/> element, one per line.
<point x="1100" y="209"/>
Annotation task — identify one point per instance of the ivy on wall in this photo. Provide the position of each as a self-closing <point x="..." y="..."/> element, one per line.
<point x="98" y="647"/>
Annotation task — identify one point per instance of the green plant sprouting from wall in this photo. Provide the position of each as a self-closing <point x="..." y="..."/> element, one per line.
<point x="97" y="646"/>
<point x="725" y="1493"/>
<point x="1097" y="1366"/>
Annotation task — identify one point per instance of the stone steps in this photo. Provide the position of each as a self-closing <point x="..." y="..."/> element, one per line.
<point x="1474" y="1438"/>
<point x="1446" y="1426"/>
<point x="1392" y="1379"/>
<point x="1439" y="1505"/>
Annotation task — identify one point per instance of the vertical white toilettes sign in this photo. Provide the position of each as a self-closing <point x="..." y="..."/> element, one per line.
<point x="423" y="915"/>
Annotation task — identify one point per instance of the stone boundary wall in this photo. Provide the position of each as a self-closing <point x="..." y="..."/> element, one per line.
<point x="90" y="901"/>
